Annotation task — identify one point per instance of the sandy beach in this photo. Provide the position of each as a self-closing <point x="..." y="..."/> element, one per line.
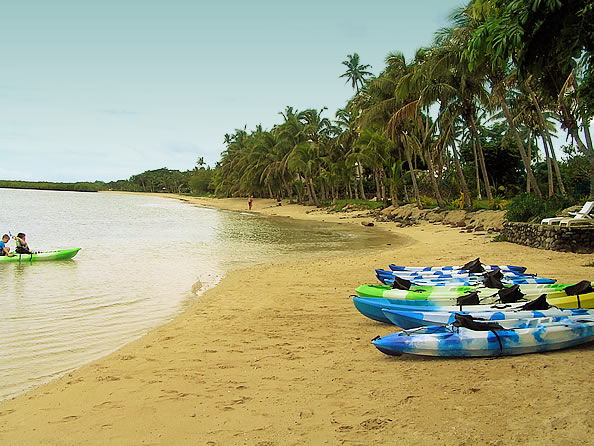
<point x="278" y="355"/>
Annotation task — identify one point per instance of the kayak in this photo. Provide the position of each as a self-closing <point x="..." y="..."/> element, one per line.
<point x="62" y="254"/>
<point x="387" y="277"/>
<point x="414" y="319"/>
<point x="519" y="269"/>
<point x="372" y="307"/>
<point x="447" y="274"/>
<point x="438" y="292"/>
<point x="523" y="336"/>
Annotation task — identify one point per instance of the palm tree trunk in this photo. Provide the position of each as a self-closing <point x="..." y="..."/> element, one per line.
<point x="481" y="157"/>
<point x="413" y="177"/>
<point x="434" y="184"/>
<point x="383" y="187"/>
<point x="360" y="176"/>
<point x="393" y="192"/>
<point x="476" y="170"/>
<point x="529" y="157"/>
<point x="313" y="193"/>
<point x="549" y="166"/>
<point x="523" y="154"/>
<point x="378" y="194"/>
<point x="463" y="184"/>
<point x="555" y="165"/>
<point x="546" y="137"/>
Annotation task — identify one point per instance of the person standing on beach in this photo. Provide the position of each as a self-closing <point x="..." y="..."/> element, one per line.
<point x="250" y="202"/>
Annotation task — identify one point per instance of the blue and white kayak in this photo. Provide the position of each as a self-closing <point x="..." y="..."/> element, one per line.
<point x="372" y="307"/>
<point x="525" y="336"/>
<point x="470" y="281"/>
<point x="519" y="269"/>
<point x="414" y="319"/>
<point x="447" y="274"/>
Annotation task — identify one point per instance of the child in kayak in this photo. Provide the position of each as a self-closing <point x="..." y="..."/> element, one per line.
<point x="21" y="244"/>
<point x="5" y="250"/>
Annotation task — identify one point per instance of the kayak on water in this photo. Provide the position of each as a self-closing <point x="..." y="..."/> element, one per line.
<point x="468" y="337"/>
<point x="63" y="254"/>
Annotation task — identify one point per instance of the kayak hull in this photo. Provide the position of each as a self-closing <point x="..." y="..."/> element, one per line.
<point x="372" y="307"/>
<point x="63" y="254"/>
<point x="462" y="342"/>
<point x="414" y="319"/>
<point x="518" y="269"/>
<point x="445" y="293"/>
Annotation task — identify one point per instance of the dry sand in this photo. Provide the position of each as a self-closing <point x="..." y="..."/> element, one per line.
<point x="278" y="355"/>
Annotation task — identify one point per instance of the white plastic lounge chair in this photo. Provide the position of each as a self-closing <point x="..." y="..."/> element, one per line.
<point x="583" y="215"/>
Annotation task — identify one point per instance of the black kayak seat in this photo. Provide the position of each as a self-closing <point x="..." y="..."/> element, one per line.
<point x="540" y="303"/>
<point x="510" y="294"/>
<point x="583" y="287"/>
<point x="467" y="321"/>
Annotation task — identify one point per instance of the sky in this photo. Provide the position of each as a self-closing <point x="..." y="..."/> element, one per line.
<point x="103" y="90"/>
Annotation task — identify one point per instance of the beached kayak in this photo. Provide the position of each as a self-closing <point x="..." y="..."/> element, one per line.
<point x="387" y="277"/>
<point x="63" y="254"/>
<point x="518" y="269"/>
<point x="523" y="336"/>
<point x="448" y="274"/>
<point x="414" y="319"/>
<point x="372" y="307"/>
<point x="439" y="292"/>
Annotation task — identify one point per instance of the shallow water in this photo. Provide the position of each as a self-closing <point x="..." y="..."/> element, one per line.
<point x="143" y="261"/>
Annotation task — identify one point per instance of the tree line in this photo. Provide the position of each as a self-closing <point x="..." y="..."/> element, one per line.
<point x="471" y="117"/>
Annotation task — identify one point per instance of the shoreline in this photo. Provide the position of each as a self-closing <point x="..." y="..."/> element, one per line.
<point x="276" y="354"/>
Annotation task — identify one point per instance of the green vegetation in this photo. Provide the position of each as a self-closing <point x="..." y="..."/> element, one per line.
<point x="196" y="181"/>
<point x="468" y="123"/>
<point x="44" y="185"/>
<point x="526" y="207"/>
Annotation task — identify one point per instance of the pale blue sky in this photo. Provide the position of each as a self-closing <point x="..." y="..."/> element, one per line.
<point x="102" y="90"/>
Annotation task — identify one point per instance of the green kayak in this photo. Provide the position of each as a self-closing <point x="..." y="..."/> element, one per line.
<point x="62" y="254"/>
<point x="441" y="292"/>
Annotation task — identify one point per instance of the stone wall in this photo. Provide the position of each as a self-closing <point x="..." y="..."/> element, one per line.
<point x="578" y="239"/>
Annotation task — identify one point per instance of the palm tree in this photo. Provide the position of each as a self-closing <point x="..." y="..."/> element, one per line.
<point x="355" y="73"/>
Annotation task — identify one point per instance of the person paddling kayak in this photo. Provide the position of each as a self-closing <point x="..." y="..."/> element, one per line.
<point x="21" y="244"/>
<point x="5" y="250"/>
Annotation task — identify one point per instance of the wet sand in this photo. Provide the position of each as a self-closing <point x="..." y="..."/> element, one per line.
<point x="278" y="355"/>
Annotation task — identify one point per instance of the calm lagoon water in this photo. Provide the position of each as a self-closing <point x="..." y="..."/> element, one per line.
<point x="143" y="261"/>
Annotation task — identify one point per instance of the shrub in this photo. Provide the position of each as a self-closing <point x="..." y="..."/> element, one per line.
<point x="428" y="202"/>
<point x="526" y="207"/>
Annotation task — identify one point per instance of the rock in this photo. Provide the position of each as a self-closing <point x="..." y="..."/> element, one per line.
<point x="387" y="211"/>
<point x="367" y="223"/>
